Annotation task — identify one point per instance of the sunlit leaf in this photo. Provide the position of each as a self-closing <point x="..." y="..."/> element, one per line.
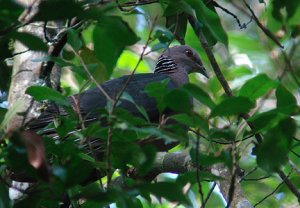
<point x="257" y="87"/>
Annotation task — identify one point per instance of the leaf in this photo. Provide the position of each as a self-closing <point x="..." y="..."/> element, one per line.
<point x="158" y="90"/>
<point x="169" y="190"/>
<point x="233" y="106"/>
<point x="178" y="101"/>
<point x="109" y="42"/>
<point x="121" y="156"/>
<point x="226" y="134"/>
<point x="210" y="159"/>
<point x="267" y="120"/>
<point x="257" y="87"/>
<point x="164" y="35"/>
<point x="177" y="7"/>
<point x="65" y="125"/>
<point x="31" y="41"/>
<point x="273" y="151"/>
<point x="290" y="6"/>
<point x="45" y="93"/>
<point x="126" y="96"/>
<point x="57" y="10"/>
<point x="4" y="198"/>
<point x="89" y="58"/>
<point x="12" y="111"/>
<point x="199" y="94"/>
<point x="9" y="12"/>
<point x="285" y="98"/>
<point x="3" y="111"/>
<point x="177" y="23"/>
<point x="210" y="20"/>
<point x="73" y="39"/>
<point x="193" y="121"/>
<point x="159" y="46"/>
<point x="61" y="62"/>
<point x="191" y="177"/>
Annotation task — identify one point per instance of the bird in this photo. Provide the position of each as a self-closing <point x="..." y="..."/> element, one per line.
<point x="174" y="64"/>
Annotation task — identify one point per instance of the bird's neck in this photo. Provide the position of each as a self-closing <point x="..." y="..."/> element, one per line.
<point x="179" y="78"/>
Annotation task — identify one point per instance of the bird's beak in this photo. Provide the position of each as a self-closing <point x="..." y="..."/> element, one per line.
<point x="201" y="69"/>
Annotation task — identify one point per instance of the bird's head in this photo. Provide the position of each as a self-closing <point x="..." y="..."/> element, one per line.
<point x="180" y="58"/>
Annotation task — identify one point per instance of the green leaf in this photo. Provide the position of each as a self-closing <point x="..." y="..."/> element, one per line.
<point x="168" y="137"/>
<point x="31" y="41"/>
<point x="61" y="62"/>
<point x="233" y="106"/>
<point x="2" y="114"/>
<point x="267" y="120"/>
<point x="158" y="90"/>
<point x="121" y="156"/>
<point x="65" y="126"/>
<point x="73" y="39"/>
<point x="109" y="42"/>
<point x="126" y="96"/>
<point x="285" y="98"/>
<point x="199" y="94"/>
<point x="273" y="151"/>
<point x="4" y="198"/>
<point x="178" y="101"/>
<point x="57" y="10"/>
<point x="191" y="177"/>
<point x="45" y="93"/>
<point x="165" y="36"/>
<point x="177" y="7"/>
<point x="210" y="159"/>
<point x="290" y="6"/>
<point x="210" y="20"/>
<point x="257" y="87"/>
<point x="222" y="134"/>
<point x="193" y="121"/>
<point x="12" y="111"/>
<point x="169" y="190"/>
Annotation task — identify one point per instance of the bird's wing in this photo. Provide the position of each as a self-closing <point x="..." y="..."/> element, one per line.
<point x="93" y="100"/>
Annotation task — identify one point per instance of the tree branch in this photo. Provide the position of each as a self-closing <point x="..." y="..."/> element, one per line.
<point x="228" y="91"/>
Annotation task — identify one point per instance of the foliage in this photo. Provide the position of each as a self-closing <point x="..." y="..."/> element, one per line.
<point x="264" y="79"/>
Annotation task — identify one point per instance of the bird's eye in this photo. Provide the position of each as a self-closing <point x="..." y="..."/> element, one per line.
<point x="188" y="52"/>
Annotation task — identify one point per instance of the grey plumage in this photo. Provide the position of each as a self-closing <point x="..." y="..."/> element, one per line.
<point x="175" y="63"/>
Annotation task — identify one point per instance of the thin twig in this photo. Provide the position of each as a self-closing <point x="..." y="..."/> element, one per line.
<point x="263" y="28"/>
<point x="270" y="194"/>
<point x="91" y="76"/>
<point x="198" y="170"/>
<point x="234" y="174"/>
<point x="241" y="26"/>
<point x="256" y="179"/>
<point x="208" y="195"/>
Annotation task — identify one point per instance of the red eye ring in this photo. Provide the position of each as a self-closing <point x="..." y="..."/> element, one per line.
<point x="188" y="52"/>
